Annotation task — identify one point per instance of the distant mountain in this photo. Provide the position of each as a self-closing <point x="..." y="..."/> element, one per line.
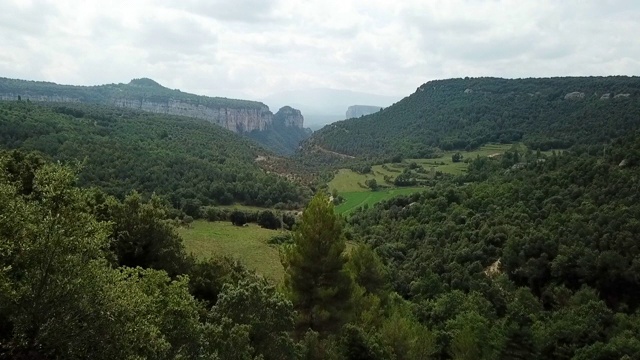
<point x="241" y="116"/>
<point x="323" y="106"/>
<point x="361" y="110"/>
<point x="467" y="113"/>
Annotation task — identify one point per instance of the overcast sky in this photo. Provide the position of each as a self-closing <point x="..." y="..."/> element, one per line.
<point x="253" y="48"/>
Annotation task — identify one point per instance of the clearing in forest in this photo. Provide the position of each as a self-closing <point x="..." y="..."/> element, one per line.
<point x="248" y="244"/>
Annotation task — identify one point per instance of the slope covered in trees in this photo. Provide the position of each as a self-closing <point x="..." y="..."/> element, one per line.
<point x="187" y="161"/>
<point x="244" y="116"/>
<point x="540" y="260"/>
<point x="466" y="113"/>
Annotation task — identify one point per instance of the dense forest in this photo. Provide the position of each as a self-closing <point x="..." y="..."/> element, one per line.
<point x="188" y="162"/>
<point x="467" y="113"/>
<point x="539" y="260"/>
<point x="88" y="276"/>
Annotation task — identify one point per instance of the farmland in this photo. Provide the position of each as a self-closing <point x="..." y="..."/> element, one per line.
<point x="351" y="185"/>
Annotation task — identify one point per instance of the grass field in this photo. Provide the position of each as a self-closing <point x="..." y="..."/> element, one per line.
<point x="347" y="181"/>
<point x="350" y="184"/>
<point x="360" y="198"/>
<point x="247" y="244"/>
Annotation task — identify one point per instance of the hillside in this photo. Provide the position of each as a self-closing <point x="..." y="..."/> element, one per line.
<point x="241" y="116"/>
<point x="542" y="255"/>
<point x="187" y="161"/>
<point x="467" y="113"/>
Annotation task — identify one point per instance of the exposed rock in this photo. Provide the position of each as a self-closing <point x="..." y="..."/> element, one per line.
<point x="237" y="120"/>
<point x="24" y="97"/>
<point x="621" y="96"/>
<point x="355" y="111"/>
<point x="468" y="91"/>
<point x="606" y="96"/>
<point x="289" y="117"/>
<point x="576" y="95"/>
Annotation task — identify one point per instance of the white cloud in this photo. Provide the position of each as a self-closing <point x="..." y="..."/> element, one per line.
<point x="251" y="48"/>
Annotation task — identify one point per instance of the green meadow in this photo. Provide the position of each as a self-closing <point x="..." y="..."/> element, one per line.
<point x="248" y="244"/>
<point x="351" y="185"/>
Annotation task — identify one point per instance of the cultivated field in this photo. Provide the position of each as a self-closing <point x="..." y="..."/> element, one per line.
<point x="247" y="244"/>
<point x="360" y="198"/>
<point x="351" y="185"/>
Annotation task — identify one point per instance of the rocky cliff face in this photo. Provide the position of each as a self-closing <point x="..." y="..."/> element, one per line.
<point x="237" y="120"/>
<point x="52" y="98"/>
<point x="289" y="117"/>
<point x="361" y="110"/>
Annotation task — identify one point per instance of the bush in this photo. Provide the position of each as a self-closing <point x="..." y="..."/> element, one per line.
<point x="268" y="220"/>
<point x="238" y="218"/>
<point x="280" y="239"/>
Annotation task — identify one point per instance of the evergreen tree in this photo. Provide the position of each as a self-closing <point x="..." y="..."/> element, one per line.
<point x="315" y="274"/>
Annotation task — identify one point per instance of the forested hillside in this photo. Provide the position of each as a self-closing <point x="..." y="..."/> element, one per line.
<point x="539" y="261"/>
<point x="467" y="113"/>
<point x="241" y="116"/>
<point x="187" y="161"/>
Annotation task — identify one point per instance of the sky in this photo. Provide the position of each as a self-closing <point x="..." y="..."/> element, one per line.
<point x="253" y="48"/>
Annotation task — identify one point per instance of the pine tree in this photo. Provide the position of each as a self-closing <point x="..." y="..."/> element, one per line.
<point x="315" y="275"/>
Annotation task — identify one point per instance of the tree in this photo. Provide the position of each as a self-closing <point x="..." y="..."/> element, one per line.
<point x="315" y="275"/>
<point x="372" y="184"/>
<point x="457" y="157"/>
<point x="266" y="314"/>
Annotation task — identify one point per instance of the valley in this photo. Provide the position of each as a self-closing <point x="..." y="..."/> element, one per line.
<point x="454" y="222"/>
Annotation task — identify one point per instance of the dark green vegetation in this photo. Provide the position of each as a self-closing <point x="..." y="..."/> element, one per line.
<point x="85" y="275"/>
<point x="187" y="161"/>
<point x="146" y="94"/>
<point x="462" y="114"/>
<point x="538" y="261"/>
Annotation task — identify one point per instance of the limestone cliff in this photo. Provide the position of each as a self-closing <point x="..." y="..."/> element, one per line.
<point x="281" y="132"/>
<point x="355" y="111"/>
<point x="289" y="117"/>
<point x="147" y="95"/>
<point x="234" y="119"/>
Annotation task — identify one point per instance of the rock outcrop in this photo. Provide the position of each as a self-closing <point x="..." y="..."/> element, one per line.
<point x="576" y="95"/>
<point x="234" y="119"/>
<point x="289" y="117"/>
<point x="147" y="95"/>
<point x="355" y="111"/>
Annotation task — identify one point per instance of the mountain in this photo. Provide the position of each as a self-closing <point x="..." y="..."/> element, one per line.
<point x="355" y="111"/>
<point x="466" y="113"/>
<point x="323" y="106"/>
<point x="187" y="161"/>
<point x="241" y="116"/>
<point x="285" y="133"/>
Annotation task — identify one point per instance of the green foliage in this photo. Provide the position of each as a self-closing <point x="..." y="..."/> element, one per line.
<point x="315" y="275"/>
<point x="266" y="314"/>
<point x="442" y="114"/>
<point x="534" y="261"/>
<point x="123" y="150"/>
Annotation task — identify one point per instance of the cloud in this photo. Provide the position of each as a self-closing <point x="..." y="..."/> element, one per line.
<point x="252" y="48"/>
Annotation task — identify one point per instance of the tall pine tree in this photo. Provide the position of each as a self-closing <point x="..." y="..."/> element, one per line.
<point x="315" y="275"/>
